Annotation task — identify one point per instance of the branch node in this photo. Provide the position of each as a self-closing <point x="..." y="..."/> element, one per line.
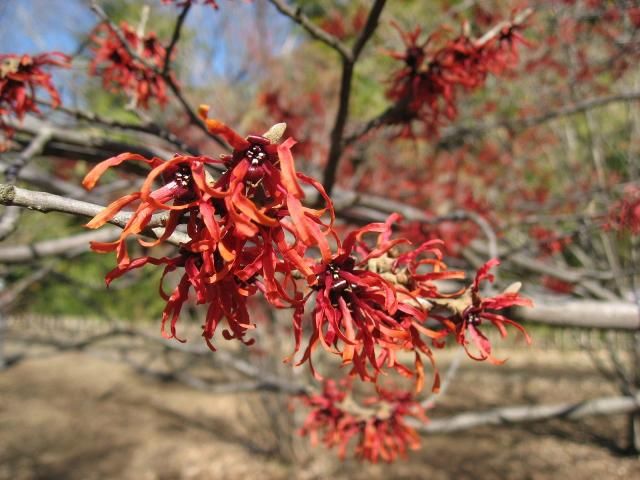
<point x="7" y="194"/>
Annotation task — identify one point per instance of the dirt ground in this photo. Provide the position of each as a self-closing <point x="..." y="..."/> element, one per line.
<point x="74" y="416"/>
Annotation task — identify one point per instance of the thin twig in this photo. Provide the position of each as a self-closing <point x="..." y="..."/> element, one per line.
<point x="348" y="64"/>
<point x="448" y="377"/>
<point x="517" y="125"/>
<point x="12" y="293"/>
<point x="316" y="32"/>
<point x="151" y="128"/>
<point x="34" y="148"/>
<point x="174" y="38"/>
<point x="60" y="246"/>
<point x="516" y="21"/>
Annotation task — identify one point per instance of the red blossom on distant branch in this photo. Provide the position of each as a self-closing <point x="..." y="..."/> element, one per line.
<point x="334" y="23"/>
<point x="556" y="285"/>
<point x="120" y="71"/>
<point x="366" y="307"/>
<point x="625" y="214"/>
<point x="548" y="241"/>
<point x="377" y="424"/>
<point x="20" y="77"/>
<point x="426" y="88"/>
<point x="472" y="310"/>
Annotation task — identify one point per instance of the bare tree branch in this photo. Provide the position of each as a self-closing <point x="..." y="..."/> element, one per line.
<point x="261" y="380"/>
<point x="45" y="181"/>
<point x="35" y="147"/>
<point x="618" y="315"/>
<point x="11" y="294"/>
<point x="47" y="202"/>
<point x="9" y="221"/>
<point x="11" y="216"/>
<point x="456" y="134"/>
<point x="447" y="378"/>
<point x="348" y="64"/>
<point x="87" y="144"/>
<point x="531" y="413"/>
<point x="151" y="128"/>
<point x="175" y="37"/>
<point x="586" y="278"/>
<point x="516" y="21"/>
<point x="60" y="246"/>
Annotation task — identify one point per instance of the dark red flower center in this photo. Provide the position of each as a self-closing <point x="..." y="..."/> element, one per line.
<point x="471" y="316"/>
<point x="183" y="176"/>
<point x="256" y="154"/>
<point x="413" y="57"/>
<point x="339" y="285"/>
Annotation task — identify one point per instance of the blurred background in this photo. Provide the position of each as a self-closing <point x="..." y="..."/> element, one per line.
<point x="536" y="164"/>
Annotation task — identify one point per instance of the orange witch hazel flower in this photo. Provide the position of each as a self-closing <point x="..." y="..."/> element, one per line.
<point x="365" y="310"/>
<point x="378" y="424"/>
<point x="178" y="193"/>
<point x="237" y="226"/>
<point x="471" y="310"/>
<point x="262" y="188"/>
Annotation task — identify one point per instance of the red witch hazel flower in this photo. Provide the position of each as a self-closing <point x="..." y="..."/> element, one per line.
<point x="625" y="214"/>
<point x="365" y="310"/>
<point x="236" y="226"/>
<point x="263" y="196"/>
<point x="378" y="423"/>
<point x="199" y="256"/>
<point x="471" y="310"/>
<point x="120" y="71"/>
<point x="20" y="76"/>
<point x="549" y="242"/>
<point x="426" y="88"/>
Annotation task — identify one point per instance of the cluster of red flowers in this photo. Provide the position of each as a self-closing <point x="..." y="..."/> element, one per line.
<point x="248" y="231"/>
<point x="378" y="423"/>
<point x="556" y="285"/>
<point x="426" y="88"/>
<point x="123" y="72"/>
<point x="372" y="308"/>
<point x="625" y="214"/>
<point x="237" y="226"/>
<point x="549" y="242"/>
<point x="20" y="76"/>
<point x="609" y="27"/>
<point x="369" y="300"/>
<point x="335" y="24"/>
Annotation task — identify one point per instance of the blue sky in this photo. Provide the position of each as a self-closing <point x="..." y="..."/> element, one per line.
<point x="34" y="26"/>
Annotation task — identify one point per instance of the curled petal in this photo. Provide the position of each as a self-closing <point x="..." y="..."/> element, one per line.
<point x="96" y="172"/>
